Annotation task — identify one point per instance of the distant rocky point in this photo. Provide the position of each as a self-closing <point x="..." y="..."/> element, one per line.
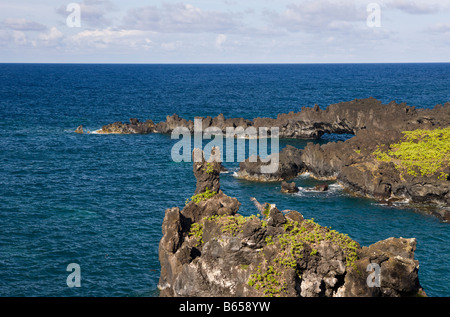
<point x="310" y="123"/>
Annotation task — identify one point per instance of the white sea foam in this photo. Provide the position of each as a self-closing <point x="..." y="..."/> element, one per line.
<point x="400" y="203"/>
<point x="310" y="191"/>
<point x="233" y="171"/>
<point x="85" y="131"/>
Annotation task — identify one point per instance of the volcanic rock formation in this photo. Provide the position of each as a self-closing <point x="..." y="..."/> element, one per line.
<point x="207" y="249"/>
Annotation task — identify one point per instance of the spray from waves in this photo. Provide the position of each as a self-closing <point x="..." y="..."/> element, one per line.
<point x="86" y="131"/>
<point x="312" y="192"/>
<point x="399" y="203"/>
<point x="233" y="171"/>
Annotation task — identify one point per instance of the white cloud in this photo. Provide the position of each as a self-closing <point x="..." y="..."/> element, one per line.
<point x="439" y="34"/>
<point x="220" y="39"/>
<point x="22" y="25"/>
<point x="181" y="18"/>
<point x="439" y="28"/>
<point x="5" y="36"/>
<point x="52" y="35"/>
<point x="314" y="16"/>
<point x="417" y="7"/>
<point x="19" y="38"/>
<point x="262" y="31"/>
<point x="171" y="46"/>
<point x="103" y="38"/>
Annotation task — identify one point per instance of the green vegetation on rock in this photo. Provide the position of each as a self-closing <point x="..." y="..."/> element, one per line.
<point x="269" y="281"/>
<point x="421" y="152"/>
<point x="230" y="224"/>
<point x="291" y="245"/>
<point x="209" y="168"/>
<point x="207" y="194"/>
<point x="197" y="231"/>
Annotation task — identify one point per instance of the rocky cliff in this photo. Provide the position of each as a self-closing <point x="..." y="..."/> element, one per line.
<point x="208" y="249"/>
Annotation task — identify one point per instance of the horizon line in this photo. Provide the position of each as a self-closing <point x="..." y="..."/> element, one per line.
<point x="223" y="63"/>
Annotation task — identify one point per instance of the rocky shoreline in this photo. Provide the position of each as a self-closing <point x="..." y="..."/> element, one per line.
<point x="354" y="163"/>
<point x="208" y="249"/>
<point x="310" y="123"/>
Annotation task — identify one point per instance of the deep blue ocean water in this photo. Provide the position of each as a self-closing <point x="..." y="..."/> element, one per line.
<point x="99" y="200"/>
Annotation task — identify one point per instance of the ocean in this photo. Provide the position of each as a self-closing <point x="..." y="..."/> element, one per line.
<point x="99" y="200"/>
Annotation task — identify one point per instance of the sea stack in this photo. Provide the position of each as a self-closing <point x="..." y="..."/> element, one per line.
<point x="208" y="249"/>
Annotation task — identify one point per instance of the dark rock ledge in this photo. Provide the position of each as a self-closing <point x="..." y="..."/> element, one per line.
<point x="310" y="123"/>
<point x="208" y="249"/>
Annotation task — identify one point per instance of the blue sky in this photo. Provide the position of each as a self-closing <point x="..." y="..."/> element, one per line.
<point x="225" y="31"/>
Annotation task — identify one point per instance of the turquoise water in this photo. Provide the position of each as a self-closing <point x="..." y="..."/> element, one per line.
<point x="99" y="200"/>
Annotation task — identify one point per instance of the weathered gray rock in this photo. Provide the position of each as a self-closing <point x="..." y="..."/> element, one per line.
<point x="398" y="270"/>
<point x="205" y="252"/>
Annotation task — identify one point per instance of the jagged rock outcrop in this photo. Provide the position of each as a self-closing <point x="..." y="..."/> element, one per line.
<point x="207" y="249"/>
<point x="79" y="130"/>
<point x="134" y="127"/>
<point x="206" y="172"/>
<point x="289" y="187"/>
